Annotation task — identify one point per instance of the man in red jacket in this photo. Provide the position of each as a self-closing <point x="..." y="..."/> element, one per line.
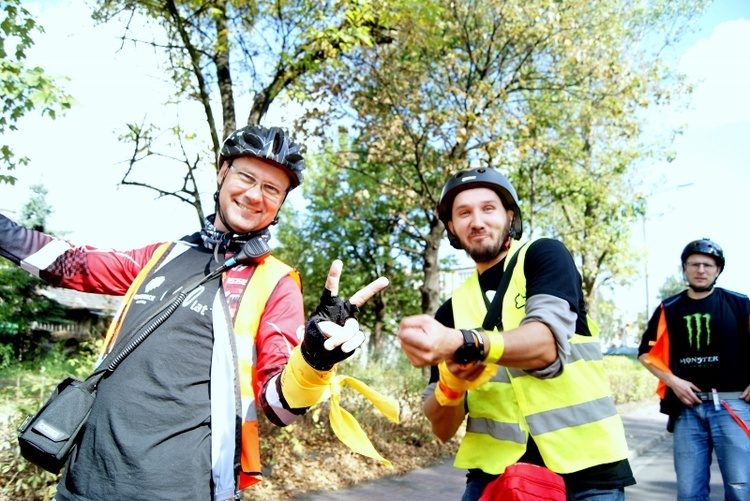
<point x="177" y="418"/>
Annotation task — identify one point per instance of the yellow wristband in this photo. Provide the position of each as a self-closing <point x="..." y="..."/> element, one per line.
<point x="301" y="385"/>
<point x="497" y="347"/>
<point x="445" y="400"/>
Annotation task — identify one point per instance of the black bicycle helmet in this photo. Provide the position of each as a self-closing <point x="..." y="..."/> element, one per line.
<point x="270" y="144"/>
<point x="704" y="246"/>
<point x="482" y="177"/>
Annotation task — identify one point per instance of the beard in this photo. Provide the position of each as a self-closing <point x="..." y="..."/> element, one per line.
<point x="488" y="252"/>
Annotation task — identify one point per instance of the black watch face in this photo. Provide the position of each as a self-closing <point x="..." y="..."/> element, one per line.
<point x="466" y="354"/>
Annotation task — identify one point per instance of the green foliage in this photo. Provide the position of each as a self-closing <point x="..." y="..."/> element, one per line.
<point x="628" y="379"/>
<point x="672" y="285"/>
<point x="603" y="313"/>
<point x="35" y="212"/>
<point x="364" y="232"/>
<point x="21" y="302"/>
<point x="21" y="305"/>
<point x="549" y="92"/>
<point x="24" y="387"/>
<point x="23" y="89"/>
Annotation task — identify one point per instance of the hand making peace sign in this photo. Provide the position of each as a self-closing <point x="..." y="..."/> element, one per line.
<point x="332" y="333"/>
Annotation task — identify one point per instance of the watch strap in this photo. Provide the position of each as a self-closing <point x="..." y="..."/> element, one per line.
<point x="480" y="343"/>
<point x="468" y="337"/>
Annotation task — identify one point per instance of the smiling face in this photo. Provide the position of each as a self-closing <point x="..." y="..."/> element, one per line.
<point x="701" y="272"/>
<point x="251" y="194"/>
<point x="482" y="224"/>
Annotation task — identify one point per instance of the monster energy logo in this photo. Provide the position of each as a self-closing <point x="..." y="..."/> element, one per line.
<point x="696" y="325"/>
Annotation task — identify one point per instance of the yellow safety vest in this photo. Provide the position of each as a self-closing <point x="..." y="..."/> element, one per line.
<point x="571" y="417"/>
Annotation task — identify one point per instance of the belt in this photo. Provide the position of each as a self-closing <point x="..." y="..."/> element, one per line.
<point x="707" y="396"/>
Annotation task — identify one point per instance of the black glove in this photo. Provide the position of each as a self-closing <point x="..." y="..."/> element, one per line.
<point x="336" y="310"/>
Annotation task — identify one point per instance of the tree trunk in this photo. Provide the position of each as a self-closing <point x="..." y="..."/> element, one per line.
<point x="431" y="286"/>
<point x="224" y="77"/>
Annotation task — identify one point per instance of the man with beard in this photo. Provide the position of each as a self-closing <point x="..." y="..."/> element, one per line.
<point x="697" y="344"/>
<point x="515" y="352"/>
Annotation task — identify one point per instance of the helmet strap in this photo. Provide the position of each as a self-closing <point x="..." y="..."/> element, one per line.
<point x="702" y="289"/>
<point x="708" y="288"/>
<point x="218" y="210"/>
<point x="506" y="244"/>
<point x="511" y="232"/>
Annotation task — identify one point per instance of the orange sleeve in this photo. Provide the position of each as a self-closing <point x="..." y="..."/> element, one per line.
<point x="659" y="354"/>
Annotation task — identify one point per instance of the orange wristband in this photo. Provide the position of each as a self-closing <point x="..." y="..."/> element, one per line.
<point x="442" y="393"/>
<point x="450" y="393"/>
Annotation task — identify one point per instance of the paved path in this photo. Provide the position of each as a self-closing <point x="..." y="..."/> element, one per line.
<point x="645" y="427"/>
<point x="657" y="481"/>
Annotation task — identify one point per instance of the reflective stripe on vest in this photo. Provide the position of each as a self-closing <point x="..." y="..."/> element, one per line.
<point x="561" y="413"/>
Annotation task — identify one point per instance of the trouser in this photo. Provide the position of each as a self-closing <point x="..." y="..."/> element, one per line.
<point x="698" y="432"/>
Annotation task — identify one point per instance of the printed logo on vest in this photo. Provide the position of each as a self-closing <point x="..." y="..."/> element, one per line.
<point x="520" y="301"/>
<point x="191" y="301"/>
<point x="153" y="284"/>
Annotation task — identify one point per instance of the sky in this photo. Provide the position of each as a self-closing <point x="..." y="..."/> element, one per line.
<point x="703" y="193"/>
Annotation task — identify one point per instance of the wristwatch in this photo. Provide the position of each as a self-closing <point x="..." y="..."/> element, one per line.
<point x="472" y="351"/>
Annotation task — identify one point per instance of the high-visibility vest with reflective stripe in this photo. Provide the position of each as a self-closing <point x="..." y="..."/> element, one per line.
<point x="264" y="279"/>
<point x="571" y="417"/>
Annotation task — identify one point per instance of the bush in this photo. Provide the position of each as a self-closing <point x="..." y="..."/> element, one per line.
<point x="24" y="387"/>
<point x="628" y="379"/>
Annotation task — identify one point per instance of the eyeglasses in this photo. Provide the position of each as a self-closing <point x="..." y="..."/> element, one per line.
<point x="697" y="266"/>
<point x="248" y="181"/>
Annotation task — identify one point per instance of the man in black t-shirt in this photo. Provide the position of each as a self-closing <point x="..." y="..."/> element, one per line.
<point x="697" y="344"/>
<point x="513" y="349"/>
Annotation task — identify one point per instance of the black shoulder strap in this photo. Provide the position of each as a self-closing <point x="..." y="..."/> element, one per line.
<point x="494" y="317"/>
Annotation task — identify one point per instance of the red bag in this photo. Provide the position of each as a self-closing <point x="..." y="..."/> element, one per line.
<point x="525" y="482"/>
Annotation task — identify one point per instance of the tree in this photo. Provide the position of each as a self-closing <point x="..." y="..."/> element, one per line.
<point x="23" y="89"/>
<point x="364" y="232"/>
<point x="218" y="49"/>
<point x="673" y="284"/>
<point x="539" y="89"/>
<point x="35" y="212"/>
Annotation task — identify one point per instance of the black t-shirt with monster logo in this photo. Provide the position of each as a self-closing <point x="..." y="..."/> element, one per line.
<point x="709" y="339"/>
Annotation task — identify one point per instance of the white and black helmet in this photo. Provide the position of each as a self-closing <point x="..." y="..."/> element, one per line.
<point x="268" y="143"/>
<point x="482" y="177"/>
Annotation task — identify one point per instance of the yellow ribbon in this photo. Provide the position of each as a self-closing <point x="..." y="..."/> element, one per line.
<point x="303" y="386"/>
<point x="346" y="427"/>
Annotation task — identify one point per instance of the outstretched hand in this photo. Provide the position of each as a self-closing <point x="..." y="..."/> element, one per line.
<point x="332" y="332"/>
<point x="426" y="341"/>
